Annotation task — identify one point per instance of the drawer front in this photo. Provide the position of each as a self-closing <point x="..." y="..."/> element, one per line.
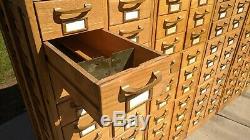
<point x="223" y="10"/>
<point x="240" y="6"/>
<point x="171" y="44"/>
<point x="246" y="33"/>
<point x="162" y="101"/>
<point x="122" y="11"/>
<point x="174" y="63"/>
<point x="211" y="61"/>
<point x="205" y="88"/>
<point x="187" y="87"/>
<point x="207" y="74"/>
<point x="219" y="28"/>
<point x="198" y="111"/>
<point x="171" y="24"/>
<point x="219" y="79"/>
<point x="200" y="16"/>
<point x="92" y="131"/>
<point x="243" y="47"/>
<point x="131" y="134"/>
<point x="200" y="3"/>
<point x="181" y="115"/>
<point x="138" y="31"/>
<point x="232" y="38"/>
<point x="214" y="46"/>
<point x="193" y="55"/>
<point x="190" y="73"/>
<point x="179" y="130"/>
<point x="227" y="53"/>
<point x="223" y="66"/>
<point x="196" y="36"/>
<point x="184" y="102"/>
<point x="159" y="132"/>
<point x="172" y="6"/>
<point x="201" y="101"/>
<point x="194" y="123"/>
<point x="58" y="18"/>
<point x="237" y="22"/>
<point x="161" y="116"/>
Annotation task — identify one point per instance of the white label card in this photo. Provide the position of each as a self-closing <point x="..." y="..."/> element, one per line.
<point x="196" y="41"/>
<point x="87" y="130"/>
<point x="139" y="100"/>
<point x="186" y="89"/>
<point x="172" y="30"/>
<point x="230" y="42"/>
<point x="168" y="88"/>
<point x="222" y="15"/>
<point x="169" y="50"/>
<point x="183" y="105"/>
<point x="81" y="112"/>
<point x="227" y="55"/>
<point x="178" y="127"/>
<point x="247" y="35"/>
<point x="182" y="116"/>
<point x="192" y="60"/>
<point x="210" y="64"/>
<point x="203" y="91"/>
<point x="196" y="122"/>
<point x="223" y="67"/>
<point x="134" y="39"/>
<point x="75" y="26"/>
<point x="240" y="9"/>
<point x="214" y="49"/>
<point x="199" y="22"/>
<point x="207" y="77"/>
<point x="132" y="15"/>
<point x="236" y="25"/>
<point x="161" y="105"/>
<point x="175" y="7"/>
<point x="190" y="75"/>
<point x="202" y="2"/>
<point x="219" y="32"/>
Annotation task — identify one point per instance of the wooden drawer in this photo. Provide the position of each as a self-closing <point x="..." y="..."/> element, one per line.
<point x="164" y="115"/>
<point x="171" y="44"/>
<point x="232" y="38"/>
<point x="139" y="111"/>
<point x="200" y="16"/>
<point x="223" y="10"/>
<point x="196" y="36"/>
<point x="173" y="6"/>
<point x="240" y="6"/>
<point x="58" y="18"/>
<point x="187" y="87"/>
<point x="131" y="134"/>
<point x="122" y="11"/>
<point x="240" y="83"/>
<point x="243" y="47"/>
<point x="243" y="74"/>
<point x="83" y="131"/>
<point x="201" y="101"/>
<point x="211" y="61"/>
<point x="171" y="24"/>
<point x="125" y="83"/>
<point x="214" y="46"/>
<point x="248" y="19"/>
<point x="219" y="28"/>
<point x="138" y="31"/>
<point x="207" y="74"/>
<point x="220" y="79"/>
<point x="246" y="33"/>
<point x="227" y="53"/>
<point x="179" y="130"/>
<point x="184" y="102"/>
<point x="193" y="55"/>
<point x="205" y="88"/>
<point x="159" y="132"/>
<point x="181" y="117"/>
<point x="201" y="3"/>
<point x="195" y="123"/>
<point x="189" y="73"/>
<point x="239" y="59"/>
<point x="198" y="111"/>
<point x="223" y="66"/>
<point x="162" y="101"/>
<point x="174" y="63"/>
<point x="237" y="22"/>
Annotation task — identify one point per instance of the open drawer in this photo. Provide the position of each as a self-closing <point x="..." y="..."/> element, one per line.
<point x="108" y="72"/>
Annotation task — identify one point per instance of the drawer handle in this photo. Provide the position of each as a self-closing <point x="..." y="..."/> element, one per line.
<point x="132" y="1"/>
<point x="224" y="8"/>
<point x="177" y="136"/>
<point x="182" y="115"/>
<point x="160" y="118"/>
<point x="184" y="104"/>
<point x="197" y="113"/>
<point x="180" y="125"/>
<point x="192" y="56"/>
<point x="60" y="11"/>
<point x="165" y="45"/>
<point x="133" y="135"/>
<point x="155" y="79"/>
<point x="160" y="130"/>
<point x="201" y="15"/>
<point x="164" y="100"/>
<point x="196" y="35"/>
<point x="123" y="32"/>
<point x="172" y="23"/>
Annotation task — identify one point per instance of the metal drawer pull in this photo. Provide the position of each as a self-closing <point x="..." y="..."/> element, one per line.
<point x="169" y="48"/>
<point x="192" y="58"/>
<point x="180" y="125"/>
<point x="169" y="85"/>
<point x="197" y="113"/>
<point x="172" y="23"/>
<point x="155" y="79"/>
<point x="224" y="8"/>
<point x="187" y="88"/>
<point x="189" y="75"/>
<point x="182" y="115"/>
<point x="213" y="101"/>
<point x="132" y="1"/>
<point x="177" y="136"/>
<point x="60" y="11"/>
<point x="161" y="118"/>
<point x="164" y="102"/>
<point x="132" y="136"/>
<point x="196" y="122"/>
<point x="201" y="15"/>
<point x="196" y="35"/>
<point x="123" y="32"/>
<point x="184" y="104"/>
<point x="160" y="130"/>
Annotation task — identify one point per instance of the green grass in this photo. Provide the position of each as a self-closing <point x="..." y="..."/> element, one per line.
<point x="6" y="71"/>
